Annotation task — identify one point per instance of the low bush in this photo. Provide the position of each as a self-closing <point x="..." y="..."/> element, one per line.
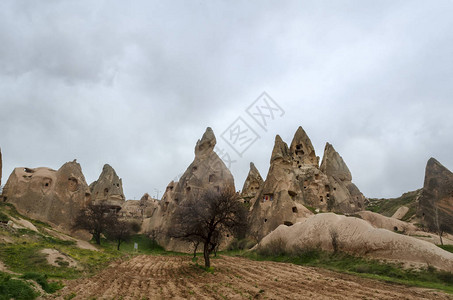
<point x="41" y="279"/>
<point x="15" y="289"/>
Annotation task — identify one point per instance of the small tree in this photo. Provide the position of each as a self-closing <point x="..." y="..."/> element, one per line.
<point x="207" y="218"/>
<point x="120" y="231"/>
<point x="95" y="219"/>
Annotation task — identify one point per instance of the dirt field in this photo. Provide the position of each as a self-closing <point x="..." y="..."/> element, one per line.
<point x="170" y="277"/>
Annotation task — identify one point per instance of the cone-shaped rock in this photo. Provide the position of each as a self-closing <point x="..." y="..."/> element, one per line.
<point x="108" y="189"/>
<point x="435" y="205"/>
<point x="302" y="150"/>
<point x="206" y="145"/>
<point x="252" y="183"/>
<point x="333" y="164"/>
<point x="206" y="172"/>
<point x="280" y="151"/>
<point x="344" y="196"/>
<point x="295" y="182"/>
<point x="55" y="197"/>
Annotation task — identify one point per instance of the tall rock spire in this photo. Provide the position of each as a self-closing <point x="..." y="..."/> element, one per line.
<point x="207" y="143"/>
<point x="280" y="150"/>
<point x="108" y="189"/>
<point x="333" y="164"/>
<point x="302" y="149"/>
<point x="435" y="205"/>
<point x="252" y="184"/>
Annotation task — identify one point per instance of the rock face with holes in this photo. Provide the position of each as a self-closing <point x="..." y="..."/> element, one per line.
<point x="139" y="210"/>
<point x="295" y="182"/>
<point x="47" y="195"/>
<point x="435" y="204"/>
<point x="345" y="197"/>
<point x="252" y="184"/>
<point x="207" y="171"/>
<point x="108" y="189"/>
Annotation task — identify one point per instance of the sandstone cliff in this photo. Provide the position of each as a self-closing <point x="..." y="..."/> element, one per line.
<point x="435" y="204"/>
<point x="47" y="195"/>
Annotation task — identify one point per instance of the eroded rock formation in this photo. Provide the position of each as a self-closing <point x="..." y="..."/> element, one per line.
<point x="344" y="195"/>
<point x="252" y="184"/>
<point x="207" y="171"/>
<point x="108" y="189"/>
<point x="358" y="237"/>
<point x="435" y="204"/>
<point x="295" y="182"/>
<point x="47" y="195"/>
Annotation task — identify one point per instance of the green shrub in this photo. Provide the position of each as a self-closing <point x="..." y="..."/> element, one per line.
<point x="41" y="279"/>
<point x="15" y="289"/>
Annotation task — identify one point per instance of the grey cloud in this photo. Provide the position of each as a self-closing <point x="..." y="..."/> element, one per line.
<point x="135" y="85"/>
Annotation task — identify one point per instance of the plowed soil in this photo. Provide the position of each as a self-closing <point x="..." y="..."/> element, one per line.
<point x="177" y="277"/>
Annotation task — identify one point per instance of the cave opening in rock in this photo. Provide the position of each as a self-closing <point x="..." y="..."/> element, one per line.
<point x="294" y="209"/>
<point x="106" y="191"/>
<point x="288" y="223"/>
<point x="395" y="228"/>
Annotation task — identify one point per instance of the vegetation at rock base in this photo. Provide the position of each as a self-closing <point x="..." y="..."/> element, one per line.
<point x="388" y="207"/>
<point x="206" y="219"/>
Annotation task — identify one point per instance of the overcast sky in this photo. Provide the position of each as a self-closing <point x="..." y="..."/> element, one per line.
<point x="135" y="84"/>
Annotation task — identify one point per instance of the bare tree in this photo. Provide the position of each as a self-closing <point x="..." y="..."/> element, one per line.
<point x="207" y="218"/>
<point x="95" y="219"/>
<point x="120" y="231"/>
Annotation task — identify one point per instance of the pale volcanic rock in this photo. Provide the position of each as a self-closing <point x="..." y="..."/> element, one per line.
<point x="55" y="197"/>
<point x="437" y="192"/>
<point x="206" y="172"/>
<point x="108" y="189"/>
<point x="344" y="195"/>
<point x="139" y="209"/>
<point x="252" y="183"/>
<point x="357" y="237"/>
<point x="289" y="187"/>
<point x="392" y="224"/>
<point x="302" y="149"/>
<point x="295" y="182"/>
<point x="400" y="212"/>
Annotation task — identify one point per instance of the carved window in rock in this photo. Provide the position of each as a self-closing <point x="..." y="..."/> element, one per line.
<point x="299" y="149"/>
<point x="268" y="197"/>
<point x="46" y="183"/>
<point x="106" y="192"/>
<point x="295" y="209"/>
<point x="73" y="184"/>
<point x="288" y="223"/>
<point x="211" y="178"/>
